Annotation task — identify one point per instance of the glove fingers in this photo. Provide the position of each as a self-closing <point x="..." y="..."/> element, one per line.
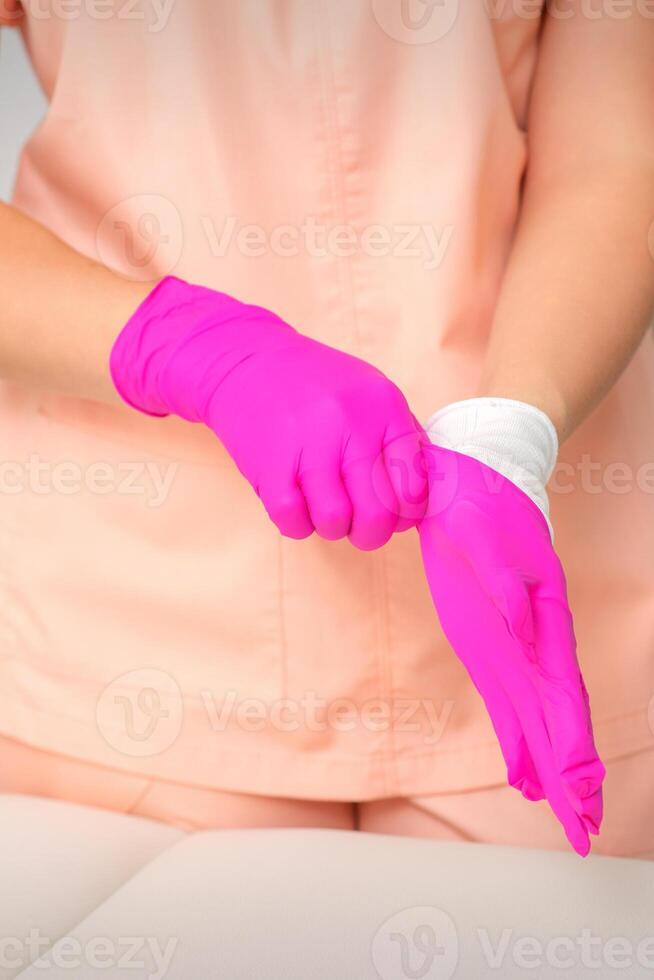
<point x="519" y="675"/>
<point x="521" y="771"/>
<point x="374" y="506"/>
<point x="525" y="698"/>
<point x="593" y="803"/>
<point x="327" y="501"/>
<point x="286" y="506"/>
<point x="559" y="699"/>
<point x="407" y="472"/>
<point x="543" y="632"/>
<point x="566" y="706"/>
<point x="450" y="577"/>
<point x="478" y="538"/>
<point x="496" y="623"/>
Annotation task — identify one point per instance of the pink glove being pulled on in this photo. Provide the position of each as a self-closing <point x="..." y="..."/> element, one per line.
<point x="326" y="440"/>
<point x="500" y="593"/>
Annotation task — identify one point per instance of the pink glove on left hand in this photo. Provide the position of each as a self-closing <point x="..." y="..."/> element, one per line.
<point x="500" y="593"/>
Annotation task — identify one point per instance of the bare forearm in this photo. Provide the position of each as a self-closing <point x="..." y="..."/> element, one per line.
<point x="578" y="294"/>
<point x="579" y="289"/>
<point x="59" y="312"/>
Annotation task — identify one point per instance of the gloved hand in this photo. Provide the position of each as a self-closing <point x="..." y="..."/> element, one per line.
<point x="500" y="593"/>
<point x="326" y="440"/>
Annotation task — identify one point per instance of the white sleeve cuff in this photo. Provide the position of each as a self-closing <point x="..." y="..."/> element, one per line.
<point x="515" y="439"/>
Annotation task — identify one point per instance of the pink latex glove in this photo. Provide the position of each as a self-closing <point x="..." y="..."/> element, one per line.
<point x="326" y="440"/>
<point x="500" y="593"/>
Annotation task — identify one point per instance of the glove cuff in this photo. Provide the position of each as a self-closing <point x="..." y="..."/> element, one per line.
<point x="136" y="353"/>
<point x="514" y="438"/>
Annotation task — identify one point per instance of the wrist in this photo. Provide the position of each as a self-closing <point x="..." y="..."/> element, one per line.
<point x="182" y="342"/>
<point x="138" y="352"/>
<point x="542" y="395"/>
<point x="106" y="301"/>
<point x="512" y="437"/>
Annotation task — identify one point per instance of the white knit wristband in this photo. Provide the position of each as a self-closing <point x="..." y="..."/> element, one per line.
<point x="515" y="439"/>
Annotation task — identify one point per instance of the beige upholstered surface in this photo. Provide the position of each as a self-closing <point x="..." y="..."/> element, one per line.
<point x="59" y="862"/>
<point x="128" y="898"/>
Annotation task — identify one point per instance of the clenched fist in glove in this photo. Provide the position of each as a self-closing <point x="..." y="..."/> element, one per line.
<point x="326" y="440"/>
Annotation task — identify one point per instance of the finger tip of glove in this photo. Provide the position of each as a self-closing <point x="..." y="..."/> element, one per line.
<point x="587" y="799"/>
<point x="583" y="838"/>
<point x="528" y="788"/>
<point x="580" y="841"/>
<point x="592" y="817"/>
<point x="405" y="524"/>
<point x="366" y="544"/>
<point x="297" y="533"/>
<point x="372" y="535"/>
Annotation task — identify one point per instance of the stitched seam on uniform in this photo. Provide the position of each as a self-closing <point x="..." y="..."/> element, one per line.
<point x="283" y="646"/>
<point x="142" y="795"/>
<point x="447" y="824"/>
<point x="386" y="653"/>
<point x="338" y="189"/>
<point x="347" y="266"/>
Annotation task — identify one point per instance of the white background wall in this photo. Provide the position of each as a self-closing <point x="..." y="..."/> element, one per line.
<point x="21" y="105"/>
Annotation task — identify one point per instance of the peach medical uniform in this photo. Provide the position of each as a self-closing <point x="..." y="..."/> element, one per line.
<point x="355" y="167"/>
